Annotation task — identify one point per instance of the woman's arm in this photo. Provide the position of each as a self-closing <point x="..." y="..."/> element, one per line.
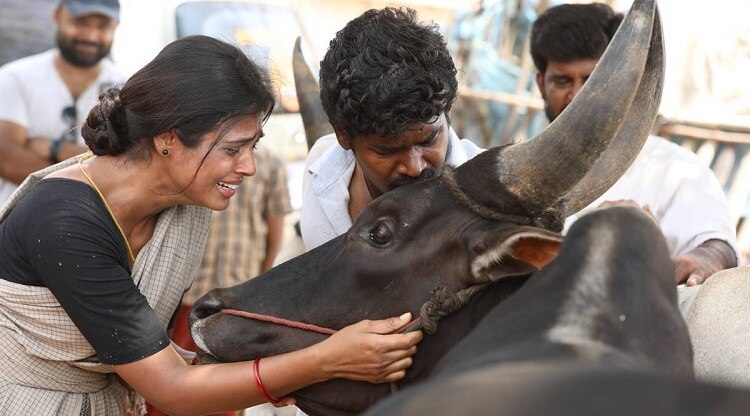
<point x="364" y="351"/>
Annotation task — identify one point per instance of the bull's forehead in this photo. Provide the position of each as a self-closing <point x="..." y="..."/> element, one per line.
<point x="411" y="202"/>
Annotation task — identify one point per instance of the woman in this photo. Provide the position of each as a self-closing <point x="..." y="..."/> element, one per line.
<point x="95" y="253"/>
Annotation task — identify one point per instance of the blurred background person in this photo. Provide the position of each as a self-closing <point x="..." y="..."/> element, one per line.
<point x="47" y="95"/>
<point x="682" y="194"/>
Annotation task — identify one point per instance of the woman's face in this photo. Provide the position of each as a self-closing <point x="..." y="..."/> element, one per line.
<point x="225" y="165"/>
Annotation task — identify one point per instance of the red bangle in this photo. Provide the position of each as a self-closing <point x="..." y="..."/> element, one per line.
<point x="256" y="374"/>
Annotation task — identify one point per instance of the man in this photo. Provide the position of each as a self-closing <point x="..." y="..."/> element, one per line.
<point x="48" y="95"/>
<point x="683" y="195"/>
<point x="387" y="85"/>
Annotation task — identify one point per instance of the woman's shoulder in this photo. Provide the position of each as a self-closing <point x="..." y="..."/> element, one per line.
<point x="59" y="191"/>
<point x="56" y="198"/>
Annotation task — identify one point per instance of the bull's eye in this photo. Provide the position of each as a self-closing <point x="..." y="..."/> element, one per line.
<point x="381" y="234"/>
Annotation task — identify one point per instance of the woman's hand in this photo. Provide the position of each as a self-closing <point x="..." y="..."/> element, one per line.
<point x="370" y="350"/>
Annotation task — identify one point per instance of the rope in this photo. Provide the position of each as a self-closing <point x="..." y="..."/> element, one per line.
<point x="448" y="180"/>
<point x="550" y="218"/>
<point x="444" y="302"/>
<point x="414" y="325"/>
<point x="280" y="321"/>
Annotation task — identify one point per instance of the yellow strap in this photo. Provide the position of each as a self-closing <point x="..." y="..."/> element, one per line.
<point x="106" y="205"/>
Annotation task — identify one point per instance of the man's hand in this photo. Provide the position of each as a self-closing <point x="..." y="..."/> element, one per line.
<point x="630" y="202"/>
<point x="16" y="160"/>
<point x="698" y="265"/>
<point x="40" y="146"/>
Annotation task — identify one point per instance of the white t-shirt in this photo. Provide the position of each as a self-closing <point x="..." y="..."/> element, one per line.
<point x="683" y="194"/>
<point x="34" y="95"/>
<point x="325" y="187"/>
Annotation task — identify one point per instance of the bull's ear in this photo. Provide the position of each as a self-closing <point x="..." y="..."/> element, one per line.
<point x="500" y="254"/>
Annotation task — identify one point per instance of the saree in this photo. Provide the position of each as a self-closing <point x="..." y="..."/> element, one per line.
<point x="48" y="366"/>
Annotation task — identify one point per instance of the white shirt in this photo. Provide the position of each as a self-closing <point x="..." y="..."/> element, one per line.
<point x="683" y="194"/>
<point x="325" y="187"/>
<point x="34" y="95"/>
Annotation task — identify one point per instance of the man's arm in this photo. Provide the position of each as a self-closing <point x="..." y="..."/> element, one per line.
<point x="21" y="155"/>
<point x="16" y="161"/>
<point x="698" y="265"/>
<point x="274" y="239"/>
<point x="65" y="150"/>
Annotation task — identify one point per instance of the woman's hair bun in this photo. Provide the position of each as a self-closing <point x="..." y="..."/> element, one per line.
<point x="101" y="129"/>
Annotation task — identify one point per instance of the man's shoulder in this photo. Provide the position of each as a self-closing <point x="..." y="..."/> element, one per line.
<point x="320" y="147"/>
<point x="663" y="151"/>
<point x="462" y="149"/>
<point x="29" y="65"/>
<point x="112" y="72"/>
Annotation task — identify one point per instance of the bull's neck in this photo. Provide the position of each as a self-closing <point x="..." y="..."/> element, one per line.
<point x="454" y="327"/>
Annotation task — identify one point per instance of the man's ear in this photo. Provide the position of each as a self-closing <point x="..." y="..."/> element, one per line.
<point x="540" y="84"/>
<point x="57" y="14"/>
<point x="343" y="138"/>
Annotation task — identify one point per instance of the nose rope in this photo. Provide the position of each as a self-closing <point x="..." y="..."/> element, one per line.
<point x="414" y="325"/>
<point x="280" y="321"/>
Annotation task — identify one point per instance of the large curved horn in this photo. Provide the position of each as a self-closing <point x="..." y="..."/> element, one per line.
<point x="632" y="135"/>
<point x="308" y="95"/>
<point x="541" y="170"/>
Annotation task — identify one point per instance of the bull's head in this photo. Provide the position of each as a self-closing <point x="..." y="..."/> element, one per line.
<point x="495" y="216"/>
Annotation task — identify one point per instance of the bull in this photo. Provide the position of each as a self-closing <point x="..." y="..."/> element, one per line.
<point x="457" y="245"/>
<point x="597" y="331"/>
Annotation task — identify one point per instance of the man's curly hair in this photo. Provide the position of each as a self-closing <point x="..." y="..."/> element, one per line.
<point x="384" y="73"/>
<point x="570" y="32"/>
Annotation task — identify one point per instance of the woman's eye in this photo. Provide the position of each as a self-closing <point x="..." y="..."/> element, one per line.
<point x="233" y="150"/>
<point x="381" y="235"/>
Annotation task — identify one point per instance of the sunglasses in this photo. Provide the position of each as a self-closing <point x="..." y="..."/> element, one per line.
<point x="70" y="117"/>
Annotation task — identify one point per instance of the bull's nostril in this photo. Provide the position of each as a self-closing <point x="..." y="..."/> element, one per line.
<point x="205" y="306"/>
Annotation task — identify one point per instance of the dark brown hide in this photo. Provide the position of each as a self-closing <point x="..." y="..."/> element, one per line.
<point x="604" y="311"/>
<point x="332" y="286"/>
<point x="565" y="389"/>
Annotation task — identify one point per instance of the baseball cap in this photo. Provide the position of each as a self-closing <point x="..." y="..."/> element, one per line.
<point x="109" y="8"/>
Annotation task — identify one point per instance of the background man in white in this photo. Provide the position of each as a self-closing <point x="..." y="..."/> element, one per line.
<point x="46" y="96"/>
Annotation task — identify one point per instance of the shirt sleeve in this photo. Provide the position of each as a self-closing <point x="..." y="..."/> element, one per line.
<point x="694" y="208"/>
<point x="77" y="252"/>
<point x="12" y="105"/>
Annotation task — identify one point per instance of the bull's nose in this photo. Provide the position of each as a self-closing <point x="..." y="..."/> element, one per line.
<point x="206" y="306"/>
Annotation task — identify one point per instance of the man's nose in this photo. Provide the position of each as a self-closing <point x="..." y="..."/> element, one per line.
<point x="575" y="90"/>
<point x="91" y="34"/>
<point x="412" y="163"/>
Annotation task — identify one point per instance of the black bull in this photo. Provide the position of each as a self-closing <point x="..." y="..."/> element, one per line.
<point x="494" y="219"/>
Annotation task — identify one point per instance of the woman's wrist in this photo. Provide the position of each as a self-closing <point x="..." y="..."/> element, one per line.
<point x="321" y="368"/>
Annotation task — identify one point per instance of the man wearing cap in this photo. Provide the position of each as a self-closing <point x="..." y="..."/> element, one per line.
<point x="46" y="97"/>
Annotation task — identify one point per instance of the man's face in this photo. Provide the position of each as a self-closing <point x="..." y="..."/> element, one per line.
<point x="561" y="82"/>
<point x="388" y="163"/>
<point x="83" y="41"/>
